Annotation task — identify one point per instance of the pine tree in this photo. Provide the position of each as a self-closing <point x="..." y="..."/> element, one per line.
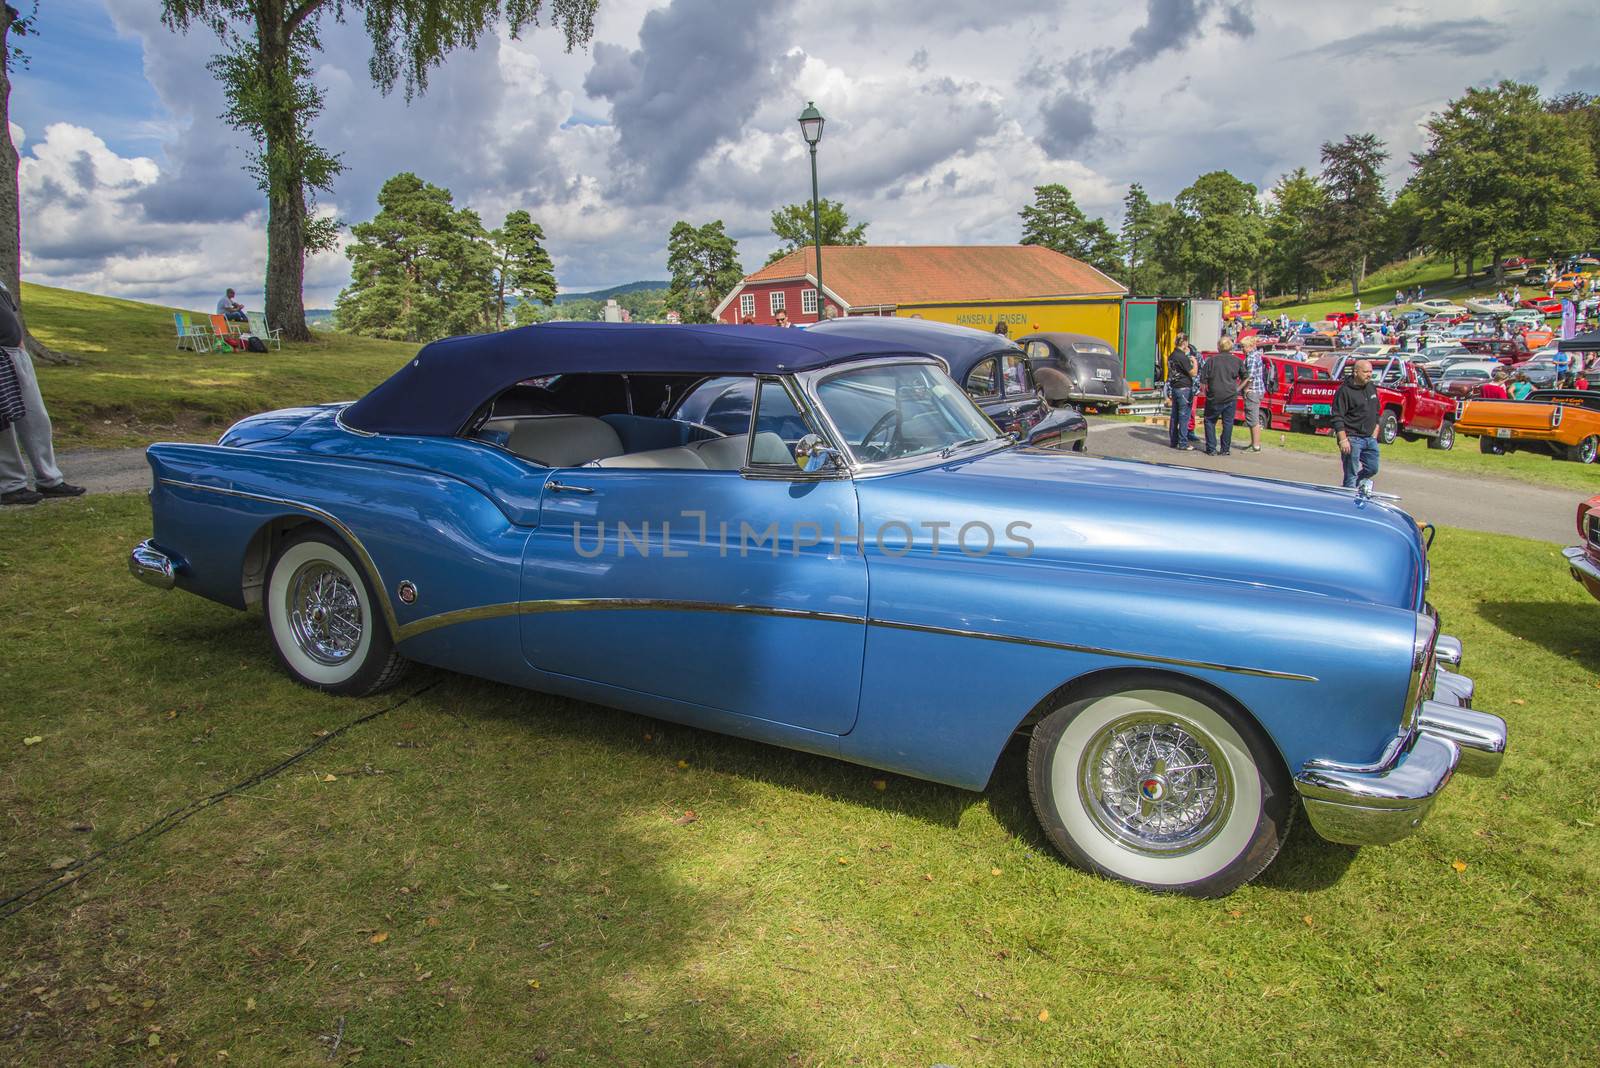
<point x="791" y="224"/>
<point x="1055" y="221"/>
<point x="704" y="264"/>
<point x="522" y="268"/>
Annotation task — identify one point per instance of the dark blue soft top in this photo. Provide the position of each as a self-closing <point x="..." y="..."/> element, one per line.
<point x="437" y="392"/>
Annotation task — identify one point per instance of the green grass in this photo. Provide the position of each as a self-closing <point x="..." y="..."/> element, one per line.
<point x="133" y="387"/>
<point x="1436" y="276"/>
<point x="1464" y="459"/>
<point x="500" y="838"/>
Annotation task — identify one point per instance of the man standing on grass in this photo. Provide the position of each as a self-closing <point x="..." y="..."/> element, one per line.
<point x="1255" y="389"/>
<point x="1355" y="422"/>
<point x="1220" y="379"/>
<point x="24" y="424"/>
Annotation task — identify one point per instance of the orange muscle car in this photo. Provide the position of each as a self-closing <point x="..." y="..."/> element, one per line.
<point x="1562" y="422"/>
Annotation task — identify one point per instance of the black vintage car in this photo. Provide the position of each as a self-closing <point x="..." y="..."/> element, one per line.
<point x="990" y="367"/>
<point x="1076" y="369"/>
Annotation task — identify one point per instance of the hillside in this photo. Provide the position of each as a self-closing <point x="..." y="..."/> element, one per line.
<point x="133" y="386"/>
<point x="603" y="295"/>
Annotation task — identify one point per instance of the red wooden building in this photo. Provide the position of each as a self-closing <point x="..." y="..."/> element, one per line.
<point x="876" y="279"/>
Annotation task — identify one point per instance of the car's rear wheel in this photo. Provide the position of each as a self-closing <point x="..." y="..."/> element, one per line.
<point x="1584" y="451"/>
<point x="1388" y="426"/>
<point x="323" y="618"/>
<point x="1491" y="447"/>
<point x="1156" y="782"/>
<point x="1446" y="438"/>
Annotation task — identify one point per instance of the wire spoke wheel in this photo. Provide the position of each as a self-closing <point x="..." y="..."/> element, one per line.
<point x="324" y="613"/>
<point x="1154" y="784"/>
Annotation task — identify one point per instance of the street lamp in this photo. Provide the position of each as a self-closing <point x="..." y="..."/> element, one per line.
<point x="811" y="129"/>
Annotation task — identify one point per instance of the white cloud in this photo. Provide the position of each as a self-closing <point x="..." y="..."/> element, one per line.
<point x="675" y="113"/>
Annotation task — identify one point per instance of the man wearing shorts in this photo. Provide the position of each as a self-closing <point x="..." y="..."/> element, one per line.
<point x="1255" y="388"/>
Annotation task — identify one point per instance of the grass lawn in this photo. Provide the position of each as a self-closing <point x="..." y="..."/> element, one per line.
<point x="489" y="876"/>
<point x="133" y="387"/>
<point x="1436" y="276"/>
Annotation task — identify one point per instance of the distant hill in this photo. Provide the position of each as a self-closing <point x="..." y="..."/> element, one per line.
<point x="613" y="292"/>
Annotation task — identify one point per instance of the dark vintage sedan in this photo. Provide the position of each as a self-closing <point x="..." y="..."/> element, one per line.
<point x="1076" y="369"/>
<point x="990" y="367"/>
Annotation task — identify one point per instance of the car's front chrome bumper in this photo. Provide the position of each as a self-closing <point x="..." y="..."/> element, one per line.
<point x="1583" y="569"/>
<point x="150" y="565"/>
<point x="1384" y="802"/>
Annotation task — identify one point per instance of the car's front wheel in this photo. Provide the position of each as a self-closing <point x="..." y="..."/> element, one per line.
<point x="323" y="619"/>
<point x="1388" y="426"/>
<point x="1159" y="783"/>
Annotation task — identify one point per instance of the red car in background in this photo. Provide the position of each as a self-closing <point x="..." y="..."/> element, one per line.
<point x="1542" y="305"/>
<point x="1584" y="558"/>
<point x="1279" y="374"/>
<point x="1515" y="263"/>
<point x="1410" y="406"/>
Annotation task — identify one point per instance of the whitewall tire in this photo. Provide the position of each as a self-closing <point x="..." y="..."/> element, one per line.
<point x="1158" y="783"/>
<point x="324" y="620"/>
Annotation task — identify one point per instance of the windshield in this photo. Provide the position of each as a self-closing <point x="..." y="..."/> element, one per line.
<point x="888" y="412"/>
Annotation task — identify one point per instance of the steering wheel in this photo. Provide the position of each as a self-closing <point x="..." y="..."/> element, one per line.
<point x="880" y="452"/>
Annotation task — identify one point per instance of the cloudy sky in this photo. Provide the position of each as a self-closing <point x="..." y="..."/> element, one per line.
<point x="941" y="117"/>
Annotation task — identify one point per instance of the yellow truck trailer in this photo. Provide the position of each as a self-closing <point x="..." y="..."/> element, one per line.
<point x="1142" y="329"/>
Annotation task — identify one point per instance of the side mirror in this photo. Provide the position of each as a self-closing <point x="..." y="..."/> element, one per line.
<point x="813" y="456"/>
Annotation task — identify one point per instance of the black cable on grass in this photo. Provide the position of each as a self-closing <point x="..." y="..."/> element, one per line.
<point x="36" y="893"/>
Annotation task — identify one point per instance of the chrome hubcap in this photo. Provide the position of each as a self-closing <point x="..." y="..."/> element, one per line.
<point x="324" y="613"/>
<point x="1155" y="785"/>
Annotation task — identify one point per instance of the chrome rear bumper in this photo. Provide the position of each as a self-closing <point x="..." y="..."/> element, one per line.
<point x="1384" y="802"/>
<point x="152" y="566"/>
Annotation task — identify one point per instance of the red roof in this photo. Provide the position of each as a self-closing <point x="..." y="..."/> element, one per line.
<point x="867" y="275"/>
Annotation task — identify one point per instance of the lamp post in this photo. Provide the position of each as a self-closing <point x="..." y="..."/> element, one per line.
<point x="811" y="129"/>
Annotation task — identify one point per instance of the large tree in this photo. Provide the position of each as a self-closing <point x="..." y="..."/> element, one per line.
<point x="265" y="69"/>
<point x="1297" y="200"/>
<point x="791" y="224"/>
<point x="1350" y="223"/>
<point x="1055" y="221"/>
<point x="704" y="264"/>
<point x="13" y="22"/>
<point x="1220" y="231"/>
<point x="420" y="269"/>
<point x="1137" y="236"/>
<point x="522" y="267"/>
<point x="1500" y="174"/>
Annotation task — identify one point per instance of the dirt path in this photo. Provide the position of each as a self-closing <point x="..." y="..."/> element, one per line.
<point x="1497" y="506"/>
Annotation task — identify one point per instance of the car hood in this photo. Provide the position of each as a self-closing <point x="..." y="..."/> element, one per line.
<point x="1133" y="516"/>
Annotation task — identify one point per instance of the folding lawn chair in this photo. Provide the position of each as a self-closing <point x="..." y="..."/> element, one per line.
<point x="192" y="337"/>
<point x="259" y="327"/>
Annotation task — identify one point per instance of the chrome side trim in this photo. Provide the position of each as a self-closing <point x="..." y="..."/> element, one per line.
<point x="605" y="604"/>
<point x="610" y="604"/>
<point x="332" y="520"/>
<point x="152" y="566"/>
<point x="1071" y="647"/>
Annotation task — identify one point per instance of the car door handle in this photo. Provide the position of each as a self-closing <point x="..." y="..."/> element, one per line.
<point x="562" y="487"/>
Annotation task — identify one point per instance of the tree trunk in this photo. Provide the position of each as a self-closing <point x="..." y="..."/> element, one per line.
<point x="1472" y="259"/>
<point x="1499" y="268"/>
<point x="286" y="196"/>
<point x="11" y="203"/>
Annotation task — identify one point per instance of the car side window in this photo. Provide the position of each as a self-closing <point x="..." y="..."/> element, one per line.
<point x="1037" y="350"/>
<point x="984" y="378"/>
<point x="730" y="412"/>
<point x="776" y="428"/>
<point x="1014" y="372"/>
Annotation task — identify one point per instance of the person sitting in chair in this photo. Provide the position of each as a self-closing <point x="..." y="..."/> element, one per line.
<point x="231" y="309"/>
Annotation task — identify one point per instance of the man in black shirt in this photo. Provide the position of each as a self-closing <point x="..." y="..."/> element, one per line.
<point x="1180" y="390"/>
<point x="1220" y="378"/>
<point x="1355" y="420"/>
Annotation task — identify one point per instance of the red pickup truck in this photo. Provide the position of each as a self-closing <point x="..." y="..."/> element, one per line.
<point x="1279" y="373"/>
<point x="1410" y="407"/>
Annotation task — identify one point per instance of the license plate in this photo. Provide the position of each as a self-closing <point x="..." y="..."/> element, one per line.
<point x="1103" y="375"/>
<point x="1502" y="432"/>
<point x="1322" y="409"/>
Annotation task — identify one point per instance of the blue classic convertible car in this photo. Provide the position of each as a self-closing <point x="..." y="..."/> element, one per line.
<point x="862" y="567"/>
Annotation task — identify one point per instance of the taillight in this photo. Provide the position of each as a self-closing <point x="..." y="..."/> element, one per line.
<point x="1555" y="416"/>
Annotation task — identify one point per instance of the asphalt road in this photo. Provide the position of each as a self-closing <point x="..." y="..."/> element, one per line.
<point x="1500" y="506"/>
